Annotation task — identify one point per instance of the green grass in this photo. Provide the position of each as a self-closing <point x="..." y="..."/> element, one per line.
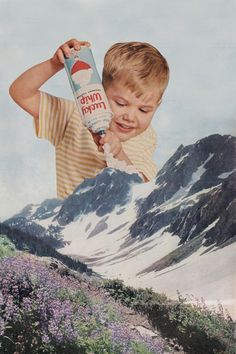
<point x="6" y="247"/>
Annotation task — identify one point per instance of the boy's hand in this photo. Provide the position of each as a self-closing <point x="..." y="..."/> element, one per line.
<point x="113" y="141"/>
<point x="64" y="50"/>
<point x="115" y="147"/>
<point x="96" y="138"/>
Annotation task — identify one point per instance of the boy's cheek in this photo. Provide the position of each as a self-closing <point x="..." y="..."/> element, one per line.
<point x="111" y="126"/>
<point x="116" y="110"/>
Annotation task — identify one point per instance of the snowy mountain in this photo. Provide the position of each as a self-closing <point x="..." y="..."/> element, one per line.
<point x="174" y="233"/>
<point x="195" y="190"/>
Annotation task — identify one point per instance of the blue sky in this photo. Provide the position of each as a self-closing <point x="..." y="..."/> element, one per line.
<point x="197" y="37"/>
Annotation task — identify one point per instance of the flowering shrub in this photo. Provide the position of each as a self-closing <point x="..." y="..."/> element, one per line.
<point x="43" y="312"/>
<point x="198" y="329"/>
<point x="6" y="247"/>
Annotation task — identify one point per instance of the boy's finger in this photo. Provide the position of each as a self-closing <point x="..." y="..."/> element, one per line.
<point x="80" y="43"/>
<point x="95" y="137"/>
<point x="102" y="141"/>
<point x="60" y="56"/>
<point x="74" y="43"/>
<point x="65" y="49"/>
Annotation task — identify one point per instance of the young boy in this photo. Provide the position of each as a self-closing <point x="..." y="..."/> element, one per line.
<point x="135" y="76"/>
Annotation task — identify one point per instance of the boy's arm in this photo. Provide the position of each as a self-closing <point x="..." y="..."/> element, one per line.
<point x="25" y="89"/>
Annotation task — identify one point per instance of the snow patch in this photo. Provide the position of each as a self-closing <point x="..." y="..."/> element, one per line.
<point x="180" y="197"/>
<point x="226" y="174"/>
<point x="211" y="225"/>
<point x="142" y="190"/>
<point x="78" y="234"/>
<point x="182" y="191"/>
<point x="136" y="257"/>
<point x="217" y="284"/>
<point x="191" y="231"/>
<point x="45" y="222"/>
<point x="178" y="162"/>
<point x="57" y="209"/>
<point x="84" y="190"/>
<point x="200" y="171"/>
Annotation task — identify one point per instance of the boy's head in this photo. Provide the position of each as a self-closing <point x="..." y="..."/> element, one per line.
<point x="135" y="76"/>
<point x="138" y="66"/>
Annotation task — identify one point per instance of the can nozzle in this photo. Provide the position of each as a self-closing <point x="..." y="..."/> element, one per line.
<point x="102" y="132"/>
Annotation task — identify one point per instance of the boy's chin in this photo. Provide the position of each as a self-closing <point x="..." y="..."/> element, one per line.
<point x="124" y="138"/>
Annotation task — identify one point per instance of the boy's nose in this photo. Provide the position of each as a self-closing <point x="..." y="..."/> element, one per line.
<point x="129" y="116"/>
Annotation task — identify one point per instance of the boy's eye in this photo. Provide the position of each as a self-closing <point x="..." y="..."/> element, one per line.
<point x="143" y="111"/>
<point x="120" y="104"/>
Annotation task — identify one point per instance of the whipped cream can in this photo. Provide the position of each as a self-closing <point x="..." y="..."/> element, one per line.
<point x="88" y="90"/>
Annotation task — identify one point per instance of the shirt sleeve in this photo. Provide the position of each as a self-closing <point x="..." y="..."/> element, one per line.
<point x="54" y="114"/>
<point x="141" y="153"/>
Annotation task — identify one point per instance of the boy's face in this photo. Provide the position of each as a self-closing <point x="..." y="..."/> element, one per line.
<point x="132" y="115"/>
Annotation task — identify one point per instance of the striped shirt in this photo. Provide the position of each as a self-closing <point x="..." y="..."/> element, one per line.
<point x="77" y="157"/>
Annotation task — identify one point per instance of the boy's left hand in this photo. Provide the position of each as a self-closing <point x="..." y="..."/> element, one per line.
<point x="115" y="147"/>
<point x="113" y="141"/>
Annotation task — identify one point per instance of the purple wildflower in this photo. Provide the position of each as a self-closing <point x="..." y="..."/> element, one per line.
<point x="2" y="326"/>
<point x="44" y="308"/>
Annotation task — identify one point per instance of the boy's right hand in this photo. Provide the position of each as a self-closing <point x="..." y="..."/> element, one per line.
<point x="25" y="89"/>
<point x="64" y="50"/>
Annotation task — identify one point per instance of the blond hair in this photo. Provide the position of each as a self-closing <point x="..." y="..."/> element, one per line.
<point x="138" y="65"/>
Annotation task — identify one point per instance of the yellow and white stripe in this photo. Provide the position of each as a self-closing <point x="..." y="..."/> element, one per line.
<point x="77" y="157"/>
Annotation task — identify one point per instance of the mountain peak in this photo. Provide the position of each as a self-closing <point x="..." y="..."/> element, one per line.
<point x="193" y="190"/>
<point x="97" y="195"/>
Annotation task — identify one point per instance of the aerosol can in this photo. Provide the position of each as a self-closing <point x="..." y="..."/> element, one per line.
<point x="88" y="90"/>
